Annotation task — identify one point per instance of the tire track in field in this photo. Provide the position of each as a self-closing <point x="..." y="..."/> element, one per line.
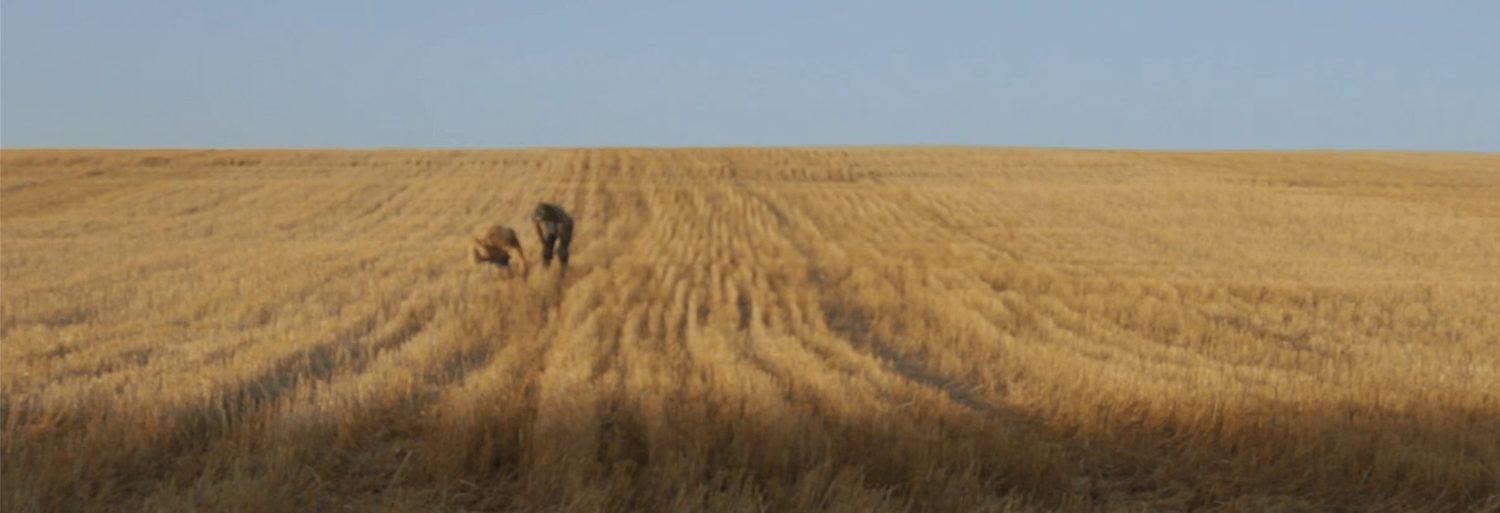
<point x="621" y="350"/>
<point x="344" y="358"/>
<point x="490" y="333"/>
<point x="555" y="427"/>
<point x="852" y="324"/>
<point x="736" y="305"/>
<point x="426" y="345"/>
<point x="846" y="319"/>
<point x="345" y="354"/>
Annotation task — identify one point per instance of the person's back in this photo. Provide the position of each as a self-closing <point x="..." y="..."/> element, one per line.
<point x="555" y="228"/>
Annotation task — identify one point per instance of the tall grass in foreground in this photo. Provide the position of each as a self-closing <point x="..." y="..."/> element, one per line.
<point x="900" y="329"/>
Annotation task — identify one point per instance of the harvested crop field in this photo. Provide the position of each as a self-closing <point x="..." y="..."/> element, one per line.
<point x="755" y="329"/>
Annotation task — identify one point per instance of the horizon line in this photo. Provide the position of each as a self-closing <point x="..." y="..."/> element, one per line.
<point x="739" y="147"/>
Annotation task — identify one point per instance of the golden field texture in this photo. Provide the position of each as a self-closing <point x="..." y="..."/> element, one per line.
<point x="861" y="330"/>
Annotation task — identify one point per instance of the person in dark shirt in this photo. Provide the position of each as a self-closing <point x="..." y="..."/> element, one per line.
<point x="555" y="227"/>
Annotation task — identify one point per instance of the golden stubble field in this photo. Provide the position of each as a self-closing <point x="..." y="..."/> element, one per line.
<point x="863" y="329"/>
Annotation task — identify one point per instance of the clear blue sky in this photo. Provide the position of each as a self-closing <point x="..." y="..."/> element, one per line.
<point x="1136" y="74"/>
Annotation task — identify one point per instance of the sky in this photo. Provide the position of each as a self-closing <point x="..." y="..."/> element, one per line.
<point x="1146" y="74"/>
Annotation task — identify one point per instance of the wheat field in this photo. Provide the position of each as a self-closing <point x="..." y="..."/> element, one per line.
<point x="751" y="329"/>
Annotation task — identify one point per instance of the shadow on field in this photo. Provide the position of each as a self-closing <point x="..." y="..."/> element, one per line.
<point x="620" y="453"/>
<point x="509" y="448"/>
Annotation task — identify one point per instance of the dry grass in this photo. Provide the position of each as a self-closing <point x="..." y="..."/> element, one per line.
<point x="900" y="329"/>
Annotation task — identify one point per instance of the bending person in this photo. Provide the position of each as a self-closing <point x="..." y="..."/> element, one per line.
<point x="555" y="227"/>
